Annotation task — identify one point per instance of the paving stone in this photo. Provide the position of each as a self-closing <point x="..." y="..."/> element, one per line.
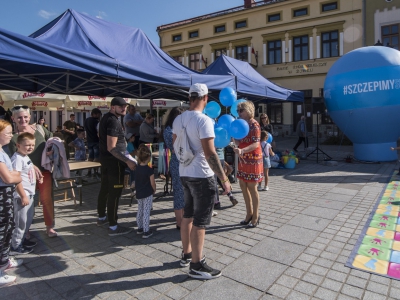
<point x="277" y="250"/>
<point x="279" y="291"/>
<point x="325" y="294"/>
<point x="309" y="222"/>
<point x="305" y="288"/>
<point x="301" y="236"/>
<point x="224" y="288"/>
<point x="243" y="268"/>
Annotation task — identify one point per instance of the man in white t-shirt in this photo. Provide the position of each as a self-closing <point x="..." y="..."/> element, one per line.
<point x="198" y="182"/>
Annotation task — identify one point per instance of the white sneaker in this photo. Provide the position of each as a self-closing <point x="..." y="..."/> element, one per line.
<point x="214" y="213"/>
<point x="6" y="279"/>
<point x="266" y="188"/>
<point x="14" y="263"/>
<point x="259" y="188"/>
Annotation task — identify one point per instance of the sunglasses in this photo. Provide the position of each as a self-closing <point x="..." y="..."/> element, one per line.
<point x="240" y="110"/>
<point x="18" y="107"/>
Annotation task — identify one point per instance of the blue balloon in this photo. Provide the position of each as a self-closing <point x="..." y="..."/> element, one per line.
<point x="222" y="137"/>
<point x="270" y="138"/>
<point x="213" y="110"/>
<point x="234" y="107"/>
<point x="239" y="129"/>
<point x="227" y="96"/>
<point x="225" y="121"/>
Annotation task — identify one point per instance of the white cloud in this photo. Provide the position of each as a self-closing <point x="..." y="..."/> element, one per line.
<point x="101" y="15"/>
<point x="46" y="14"/>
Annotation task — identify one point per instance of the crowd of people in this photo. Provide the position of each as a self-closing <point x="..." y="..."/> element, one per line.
<point x="121" y="146"/>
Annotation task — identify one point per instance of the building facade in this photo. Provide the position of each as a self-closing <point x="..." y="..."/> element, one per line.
<point x="293" y="43"/>
<point x="382" y="24"/>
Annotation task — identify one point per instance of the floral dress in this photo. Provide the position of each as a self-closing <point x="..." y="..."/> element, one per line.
<point x="179" y="203"/>
<point x="250" y="168"/>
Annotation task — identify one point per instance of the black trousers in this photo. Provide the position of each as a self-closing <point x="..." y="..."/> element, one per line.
<point x="112" y="183"/>
<point x="301" y="139"/>
<point x="6" y="223"/>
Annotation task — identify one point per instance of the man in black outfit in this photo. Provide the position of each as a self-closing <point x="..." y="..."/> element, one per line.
<point x="113" y="163"/>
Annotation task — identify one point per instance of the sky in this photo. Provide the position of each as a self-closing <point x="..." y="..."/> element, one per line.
<point x="27" y="16"/>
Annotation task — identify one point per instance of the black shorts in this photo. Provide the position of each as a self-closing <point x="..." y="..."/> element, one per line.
<point x="199" y="196"/>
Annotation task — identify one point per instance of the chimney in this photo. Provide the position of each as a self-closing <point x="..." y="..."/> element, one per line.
<point x="249" y="3"/>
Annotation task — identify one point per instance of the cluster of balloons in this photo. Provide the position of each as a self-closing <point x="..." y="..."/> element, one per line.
<point x="227" y="126"/>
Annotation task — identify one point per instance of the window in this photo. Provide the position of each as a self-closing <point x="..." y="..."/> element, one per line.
<point x="274" y="112"/>
<point x="220" y="28"/>
<point x="390" y="36"/>
<point x="179" y="59"/>
<point x="241" y="53"/>
<point x="177" y="37"/>
<point x="330" y="44"/>
<point x="273" y="18"/>
<point x="300" y="48"/>
<point x="194" y="61"/>
<point x="194" y="34"/>
<point x="329" y="6"/>
<point x="300" y="12"/>
<point x="241" y="24"/>
<point x="274" y="52"/>
<point x="219" y="52"/>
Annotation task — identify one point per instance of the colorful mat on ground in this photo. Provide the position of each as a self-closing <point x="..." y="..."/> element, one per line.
<point x="378" y="248"/>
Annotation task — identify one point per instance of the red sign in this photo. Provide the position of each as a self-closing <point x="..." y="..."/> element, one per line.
<point x="84" y="103"/>
<point x="159" y="103"/>
<point x="96" y="98"/>
<point x="30" y="95"/>
<point x="39" y="103"/>
<point x="103" y="107"/>
<point x="33" y="108"/>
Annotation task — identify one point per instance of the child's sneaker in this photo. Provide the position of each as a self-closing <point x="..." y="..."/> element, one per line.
<point x="147" y="234"/>
<point x="139" y="231"/>
<point x="201" y="270"/>
<point x="6" y="279"/>
<point x="185" y="259"/>
<point x="266" y="188"/>
<point x="20" y="250"/>
<point x="14" y="263"/>
<point x="259" y="188"/>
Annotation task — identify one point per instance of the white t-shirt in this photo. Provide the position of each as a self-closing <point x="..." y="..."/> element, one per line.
<point x="24" y="165"/>
<point x="198" y="127"/>
<point x="265" y="148"/>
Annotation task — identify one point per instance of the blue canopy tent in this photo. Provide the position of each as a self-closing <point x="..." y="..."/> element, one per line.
<point x="78" y="54"/>
<point x="250" y="83"/>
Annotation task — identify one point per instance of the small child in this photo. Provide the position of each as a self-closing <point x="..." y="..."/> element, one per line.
<point x="266" y="152"/>
<point x="23" y="197"/>
<point x="145" y="189"/>
<point x="8" y="178"/>
<point x="79" y="145"/>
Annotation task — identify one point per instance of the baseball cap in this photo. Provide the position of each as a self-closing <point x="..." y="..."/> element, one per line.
<point x="129" y="135"/>
<point x="118" y="101"/>
<point x="198" y="90"/>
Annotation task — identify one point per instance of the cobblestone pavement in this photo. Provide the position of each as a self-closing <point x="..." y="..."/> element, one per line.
<point x="310" y="220"/>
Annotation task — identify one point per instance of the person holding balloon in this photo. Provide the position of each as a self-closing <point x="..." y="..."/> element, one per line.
<point x="250" y="168"/>
<point x="266" y="153"/>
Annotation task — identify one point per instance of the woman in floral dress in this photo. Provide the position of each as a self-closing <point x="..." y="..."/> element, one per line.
<point x="250" y="168"/>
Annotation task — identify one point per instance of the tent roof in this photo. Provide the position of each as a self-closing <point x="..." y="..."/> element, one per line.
<point x="78" y="54"/>
<point x="251" y="83"/>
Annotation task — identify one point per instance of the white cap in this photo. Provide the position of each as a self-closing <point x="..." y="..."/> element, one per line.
<point x="199" y="88"/>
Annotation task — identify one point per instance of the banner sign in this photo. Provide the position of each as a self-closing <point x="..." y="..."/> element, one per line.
<point x="159" y="103"/>
<point x="84" y="103"/>
<point x="39" y="103"/>
<point x="96" y="98"/>
<point x="30" y="95"/>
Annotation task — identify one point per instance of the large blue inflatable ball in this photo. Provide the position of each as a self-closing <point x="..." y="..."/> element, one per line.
<point x="222" y="137"/>
<point x="239" y="129"/>
<point x="270" y="138"/>
<point x="213" y="110"/>
<point x="227" y="96"/>
<point x="234" y="107"/>
<point x="362" y="96"/>
<point x="225" y="121"/>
